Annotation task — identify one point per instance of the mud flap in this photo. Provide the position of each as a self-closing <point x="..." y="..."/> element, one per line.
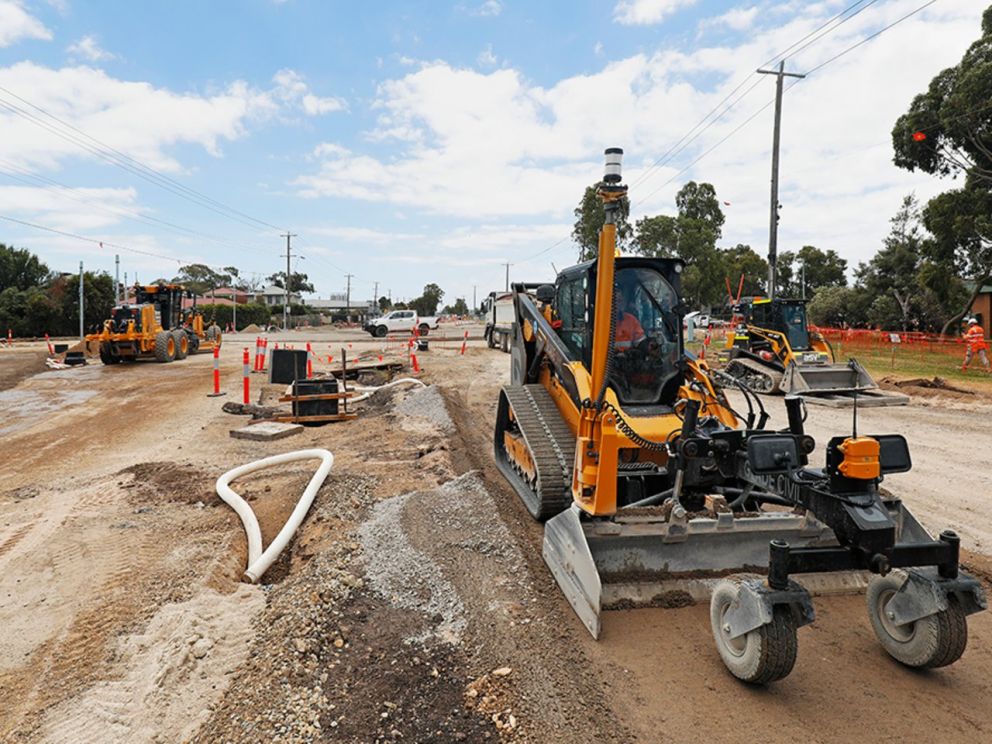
<point x="567" y="554"/>
<point x="925" y="593"/>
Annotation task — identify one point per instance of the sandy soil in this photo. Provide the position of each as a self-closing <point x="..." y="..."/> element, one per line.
<point x="414" y="604"/>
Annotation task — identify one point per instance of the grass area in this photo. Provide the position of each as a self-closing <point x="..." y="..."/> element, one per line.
<point x="903" y="362"/>
<point x="917" y="361"/>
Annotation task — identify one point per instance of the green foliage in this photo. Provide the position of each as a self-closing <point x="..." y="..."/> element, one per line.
<point x="427" y="303"/>
<point x="954" y="115"/>
<point x="837" y="306"/>
<point x="21" y="269"/>
<point x="459" y="308"/>
<point x="742" y="259"/>
<point x="298" y="283"/>
<point x="822" y="269"/>
<point x="384" y="304"/>
<point x="692" y="236"/>
<point x="256" y="312"/>
<point x="294" y="309"/>
<point x="200" y="278"/>
<point x="589" y="219"/>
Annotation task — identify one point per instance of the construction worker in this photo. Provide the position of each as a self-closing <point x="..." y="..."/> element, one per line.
<point x="629" y="332"/>
<point x="974" y="338"/>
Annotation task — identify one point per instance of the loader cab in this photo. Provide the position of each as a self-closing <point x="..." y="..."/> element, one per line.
<point x="785" y="316"/>
<point x="647" y="340"/>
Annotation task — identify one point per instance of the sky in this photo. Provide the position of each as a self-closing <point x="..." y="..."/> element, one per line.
<point x="413" y="142"/>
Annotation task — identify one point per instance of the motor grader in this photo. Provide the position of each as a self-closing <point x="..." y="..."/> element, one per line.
<point x="155" y="325"/>
<point x="772" y="350"/>
<point x="656" y="490"/>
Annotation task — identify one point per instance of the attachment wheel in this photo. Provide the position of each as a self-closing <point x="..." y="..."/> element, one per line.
<point x="930" y="642"/>
<point x="763" y="655"/>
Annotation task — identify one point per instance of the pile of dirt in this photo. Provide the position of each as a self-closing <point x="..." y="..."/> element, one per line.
<point x="251" y="328"/>
<point x="170" y="481"/>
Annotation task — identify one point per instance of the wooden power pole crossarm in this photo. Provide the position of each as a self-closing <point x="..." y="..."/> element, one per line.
<point x="780" y="74"/>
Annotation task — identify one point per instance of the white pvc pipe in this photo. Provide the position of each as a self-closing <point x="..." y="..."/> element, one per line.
<point x="259" y="561"/>
<point x="370" y="391"/>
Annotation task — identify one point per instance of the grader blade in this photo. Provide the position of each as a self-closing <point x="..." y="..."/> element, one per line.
<point x="646" y="560"/>
<point x="837" y="384"/>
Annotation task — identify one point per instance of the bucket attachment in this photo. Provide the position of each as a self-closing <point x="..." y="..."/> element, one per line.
<point x="643" y="558"/>
<point x="836" y="385"/>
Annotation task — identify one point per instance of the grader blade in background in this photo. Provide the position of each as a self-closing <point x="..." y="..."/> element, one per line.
<point x="656" y="492"/>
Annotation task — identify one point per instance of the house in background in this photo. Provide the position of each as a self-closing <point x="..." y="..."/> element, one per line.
<point x="982" y="308"/>
<point x="337" y="302"/>
<point x="273" y="295"/>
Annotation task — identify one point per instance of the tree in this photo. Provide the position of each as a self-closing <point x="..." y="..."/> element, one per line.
<point x="589" y="221"/>
<point x="298" y="283"/>
<point x="21" y="269"/>
<point x="200" y="278"/>
<point x="945" y="133"/>
<point x="384" y="304"/>
<point x="894" y="271"/>
<point x="691" y="235"/>
<point x="837" y="306"/>
<point x="459" y="308"/>
<point x="743" y="260"/>
<point x="428" y="301"/>
<point x="822" y="269"/>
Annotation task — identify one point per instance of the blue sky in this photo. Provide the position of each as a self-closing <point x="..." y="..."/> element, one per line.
<point x="433" y="141"/>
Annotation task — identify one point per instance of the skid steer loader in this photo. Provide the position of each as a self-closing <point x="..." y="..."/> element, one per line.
<point x="656" y="491"/>
<point x="154" y="326"/>
<point x="772" y="350"/>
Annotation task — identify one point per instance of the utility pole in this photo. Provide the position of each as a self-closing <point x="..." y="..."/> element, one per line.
<point x="347" y="299"/>
<point x="285" y="308"/>
<point x="81" y="334"/>
<point x="802" y="274"/>
<point x="780" y="75"/>
<point x="508" y="265"/>
<point x="474" y="286"/>
<point x="124" y="289"/>
<point x="117" y="278"/>
<point x="375" y="295"/>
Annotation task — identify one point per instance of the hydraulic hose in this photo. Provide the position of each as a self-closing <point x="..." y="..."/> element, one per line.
<point x="259" y="560"/>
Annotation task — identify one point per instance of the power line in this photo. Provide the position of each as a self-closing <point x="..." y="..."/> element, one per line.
<point x="872" y="36"/>
<point x="126" y="162"/>
<point x="48" y="184"/>
<point x="679" y="146"/>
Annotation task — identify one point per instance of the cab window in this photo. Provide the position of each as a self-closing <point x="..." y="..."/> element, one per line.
<point x="570" y="303"/>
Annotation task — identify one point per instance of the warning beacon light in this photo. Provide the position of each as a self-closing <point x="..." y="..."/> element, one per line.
<point x="614" y="157"/>
<point x="919" y="136"/>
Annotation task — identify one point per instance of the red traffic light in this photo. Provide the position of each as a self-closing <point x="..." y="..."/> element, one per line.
<point x="919" y="136"/>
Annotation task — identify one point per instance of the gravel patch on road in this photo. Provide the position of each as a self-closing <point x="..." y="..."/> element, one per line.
<point x="427" y="404"/>
<point x="406" y="576"/>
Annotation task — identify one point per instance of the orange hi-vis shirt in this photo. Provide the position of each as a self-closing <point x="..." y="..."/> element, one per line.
<point x="629" y="332"/>
<point x="975" y="338"/>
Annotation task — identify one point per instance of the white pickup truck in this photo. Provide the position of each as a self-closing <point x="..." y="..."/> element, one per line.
<point x="400" y="321"/>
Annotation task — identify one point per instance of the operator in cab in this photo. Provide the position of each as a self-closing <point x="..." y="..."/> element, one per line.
<point x="629" y="332"/>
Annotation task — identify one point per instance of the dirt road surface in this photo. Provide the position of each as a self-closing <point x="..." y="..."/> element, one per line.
<point x="413" y="604"/>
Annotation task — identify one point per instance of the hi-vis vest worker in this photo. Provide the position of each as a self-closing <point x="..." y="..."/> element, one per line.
<point x="974" y="339"/>
<point x="629" y="332"/>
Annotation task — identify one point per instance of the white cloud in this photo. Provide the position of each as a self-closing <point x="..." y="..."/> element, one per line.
<point x="478" y="146"/>
<point x="488" y="9"/>
<point x="16" y="24"/>
<point x="646" y="12"/>
<point x="291" y="88"/>
<point x="69" y="210"/>
<point x="88" y="48"/>
<point x="597" y="49"/>
<point x="736" y="19"/>
<point x="486" y="57"/>
<point x="329" y="150"/>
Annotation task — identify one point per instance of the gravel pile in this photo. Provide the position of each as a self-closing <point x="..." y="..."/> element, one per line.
<point x="427" y="404"/>
<point x="406" y="576"/>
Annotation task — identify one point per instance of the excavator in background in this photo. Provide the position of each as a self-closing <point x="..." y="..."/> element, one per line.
<point x="772" y="350"/>
<point x="657" y="491"/>
<point x="154" y="326"/>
